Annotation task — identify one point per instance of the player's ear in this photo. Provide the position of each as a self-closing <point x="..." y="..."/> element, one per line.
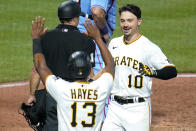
<point x="139" y="21"/>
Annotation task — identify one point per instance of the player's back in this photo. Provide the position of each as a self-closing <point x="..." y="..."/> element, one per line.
<point x="80" y="104"/>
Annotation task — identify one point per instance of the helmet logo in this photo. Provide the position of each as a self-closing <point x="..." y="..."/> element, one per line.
<point x="65" y="30"/>
<point x="80" y="71"/>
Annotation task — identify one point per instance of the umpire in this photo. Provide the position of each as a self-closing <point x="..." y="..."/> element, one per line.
<point x="57" y="45"/>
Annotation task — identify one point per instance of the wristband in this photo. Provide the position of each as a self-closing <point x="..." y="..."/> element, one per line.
<point x="37" y="46"/>
<point x="104" y="31"/>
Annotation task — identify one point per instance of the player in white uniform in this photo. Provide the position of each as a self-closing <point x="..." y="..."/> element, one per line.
<point x="79" y="103"/>
<point x="137" y="60"/>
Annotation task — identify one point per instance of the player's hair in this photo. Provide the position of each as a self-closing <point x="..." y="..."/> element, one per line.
<point x="131" y="8"/>
<point x="66" y="20"/>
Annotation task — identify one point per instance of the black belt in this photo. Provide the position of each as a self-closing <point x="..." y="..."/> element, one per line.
<point x="86" y="15"/>
<point x="122" y="100"/>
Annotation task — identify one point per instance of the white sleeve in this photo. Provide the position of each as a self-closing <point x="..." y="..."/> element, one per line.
<point x="52" y="85"/>
<point x="157" y="59"/>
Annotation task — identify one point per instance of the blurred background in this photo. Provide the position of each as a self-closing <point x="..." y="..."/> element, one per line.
<point x="171" y="24"/>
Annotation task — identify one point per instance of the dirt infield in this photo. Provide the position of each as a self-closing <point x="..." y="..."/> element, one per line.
<point x="173" y="106"/>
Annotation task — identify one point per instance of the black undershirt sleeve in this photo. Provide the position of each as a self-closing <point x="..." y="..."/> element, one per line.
<point x="166" y="73"/>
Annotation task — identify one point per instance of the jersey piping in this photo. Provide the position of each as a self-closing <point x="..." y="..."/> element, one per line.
<point x="46" y="81"/>
<point x="83" y="82"/>
<point x="169" y="66"/>
<point x="131" y="41"/>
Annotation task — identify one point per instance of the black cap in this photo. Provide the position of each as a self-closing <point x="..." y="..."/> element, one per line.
<point x="69" y="9"/>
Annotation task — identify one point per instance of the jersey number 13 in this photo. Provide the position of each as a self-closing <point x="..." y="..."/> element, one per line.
<point x="90" y="114"/>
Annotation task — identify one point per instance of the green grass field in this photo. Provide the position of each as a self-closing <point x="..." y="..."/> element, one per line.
<point x="168" y="23"/>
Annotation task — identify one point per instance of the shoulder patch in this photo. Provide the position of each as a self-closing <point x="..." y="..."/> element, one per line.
<point x="169" y="61"/>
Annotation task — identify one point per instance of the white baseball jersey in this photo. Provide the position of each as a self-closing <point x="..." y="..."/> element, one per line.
<point x="79" y="104"/>
<point x="128" y="82"/>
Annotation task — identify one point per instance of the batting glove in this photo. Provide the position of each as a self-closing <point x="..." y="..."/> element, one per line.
<point x="146" y="70"/>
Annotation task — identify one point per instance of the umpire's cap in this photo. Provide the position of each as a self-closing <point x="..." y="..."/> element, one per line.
<point x="68" y="9"/>
<point x="79" y="65"/>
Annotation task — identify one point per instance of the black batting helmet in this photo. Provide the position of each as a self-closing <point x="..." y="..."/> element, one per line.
<point x="79" y="65"/>
<point x="68" y="9"/>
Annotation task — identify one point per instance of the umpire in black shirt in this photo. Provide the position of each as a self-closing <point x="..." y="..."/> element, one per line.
<point x="57" y="45"/>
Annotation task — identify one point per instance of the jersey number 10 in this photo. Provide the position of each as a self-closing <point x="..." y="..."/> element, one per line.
<point x="137" y="82"/>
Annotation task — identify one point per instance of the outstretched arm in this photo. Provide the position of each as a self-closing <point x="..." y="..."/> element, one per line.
<point x="94" y="33"/>
<point x="165" y="73"/>
<point x="39" y="60"/>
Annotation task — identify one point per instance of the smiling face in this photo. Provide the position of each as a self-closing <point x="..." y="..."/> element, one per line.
<point x="129" y="23"/>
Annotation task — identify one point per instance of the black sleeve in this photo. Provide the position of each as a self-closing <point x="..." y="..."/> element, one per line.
<point x="166" y="73"/>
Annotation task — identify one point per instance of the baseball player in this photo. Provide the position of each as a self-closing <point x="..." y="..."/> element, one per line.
<point x="79" y="103"/>
<point x="137" y="60"/>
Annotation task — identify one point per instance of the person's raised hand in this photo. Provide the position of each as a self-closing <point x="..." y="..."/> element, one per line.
<point x="92" y="30"/>
<point x="38" y="27"/>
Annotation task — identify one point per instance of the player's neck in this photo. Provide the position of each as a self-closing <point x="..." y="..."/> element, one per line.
<point x="73" y="22"/>
<point x="130" y="38"/>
